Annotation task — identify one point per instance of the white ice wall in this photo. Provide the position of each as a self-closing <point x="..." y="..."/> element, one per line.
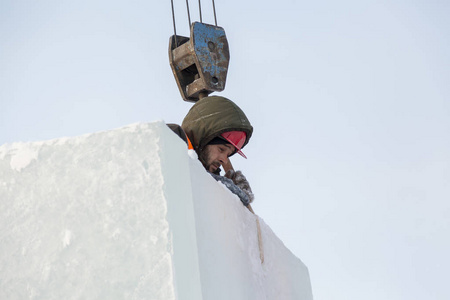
<point x="128" y="214"/>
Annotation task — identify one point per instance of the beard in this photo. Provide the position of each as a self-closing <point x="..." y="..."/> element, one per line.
<point x="208" y="164"/>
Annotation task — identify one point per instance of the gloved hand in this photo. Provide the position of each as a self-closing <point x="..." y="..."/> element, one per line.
<point x="232" y="187"/>
<point x="239" y="179"/>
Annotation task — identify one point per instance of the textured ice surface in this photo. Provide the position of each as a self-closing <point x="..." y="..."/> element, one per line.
<point x="130" y="214"/>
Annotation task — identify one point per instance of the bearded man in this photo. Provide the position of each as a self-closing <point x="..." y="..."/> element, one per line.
<point x="216" y="128"/>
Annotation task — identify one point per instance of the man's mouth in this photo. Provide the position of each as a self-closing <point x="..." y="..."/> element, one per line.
<point x="214" y="166"/>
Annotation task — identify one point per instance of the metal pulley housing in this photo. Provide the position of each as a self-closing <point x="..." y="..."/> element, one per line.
<point x="200" y="63"/>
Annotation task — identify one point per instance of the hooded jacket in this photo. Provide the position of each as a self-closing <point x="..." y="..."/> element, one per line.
<point x="210" y="117"/>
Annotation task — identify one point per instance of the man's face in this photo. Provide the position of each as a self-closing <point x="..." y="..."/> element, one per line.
<point x="215" y="156"/>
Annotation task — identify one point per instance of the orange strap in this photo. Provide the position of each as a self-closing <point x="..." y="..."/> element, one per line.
<point x="189" y="143"/>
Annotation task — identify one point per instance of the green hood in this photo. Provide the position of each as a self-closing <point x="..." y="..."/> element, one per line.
<point x="211" y="116"/>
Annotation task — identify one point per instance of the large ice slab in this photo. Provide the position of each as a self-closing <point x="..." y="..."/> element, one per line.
<point x="128" y="214"/>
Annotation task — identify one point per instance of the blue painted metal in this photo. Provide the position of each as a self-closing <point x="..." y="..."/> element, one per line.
<point x="211" y="48"/>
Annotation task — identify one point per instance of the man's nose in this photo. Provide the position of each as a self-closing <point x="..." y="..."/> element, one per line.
<point x="223" y="159"/>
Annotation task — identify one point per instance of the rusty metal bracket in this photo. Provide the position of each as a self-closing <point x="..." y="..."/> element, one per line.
<point x="200" y="63"/>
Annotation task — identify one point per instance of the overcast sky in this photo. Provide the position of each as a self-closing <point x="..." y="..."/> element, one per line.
<point x="350" y="103"/>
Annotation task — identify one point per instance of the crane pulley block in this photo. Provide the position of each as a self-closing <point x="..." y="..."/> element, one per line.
<point x="200" y="63"/>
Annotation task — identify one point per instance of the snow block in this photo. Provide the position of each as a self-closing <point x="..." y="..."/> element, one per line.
<point x="128" y="214"/>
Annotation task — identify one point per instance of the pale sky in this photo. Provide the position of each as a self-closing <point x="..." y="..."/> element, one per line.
<point x="350" y="103"/>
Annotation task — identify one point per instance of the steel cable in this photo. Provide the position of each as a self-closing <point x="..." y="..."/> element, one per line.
<point x="189" y="15"/>
<point x="214" y="9"/>
<point x="200" y="9"/>
<point x="174" y="26"/>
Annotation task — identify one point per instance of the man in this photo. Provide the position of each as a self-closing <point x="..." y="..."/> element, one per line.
<point x="217" y="129"/>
